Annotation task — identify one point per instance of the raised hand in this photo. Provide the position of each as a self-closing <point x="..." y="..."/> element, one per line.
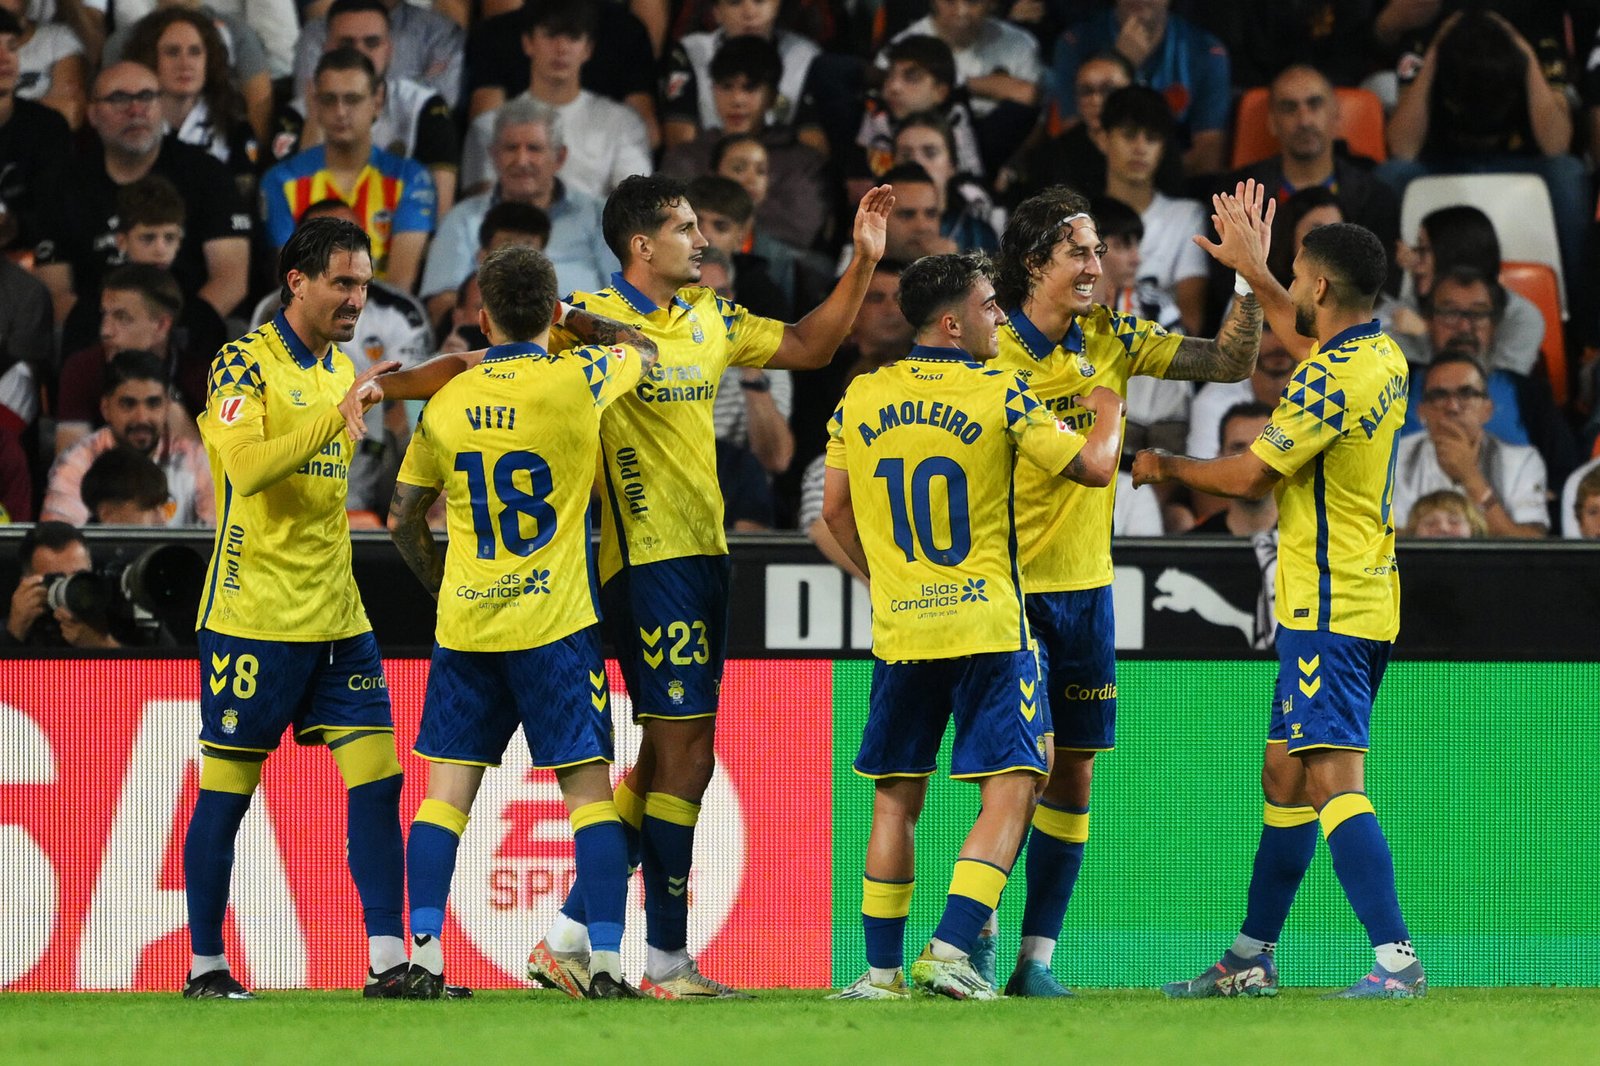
<point x="1244" y="229"/>
<point x="870" y="232"/>
<point x="364" y="392"/>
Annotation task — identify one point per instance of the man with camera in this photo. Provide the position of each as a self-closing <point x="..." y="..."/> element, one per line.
<point x="49" y="553"/>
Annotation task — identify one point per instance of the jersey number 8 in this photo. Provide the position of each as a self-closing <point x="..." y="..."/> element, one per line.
<point x="915" y="529"/>
<point x="515" y="502"/>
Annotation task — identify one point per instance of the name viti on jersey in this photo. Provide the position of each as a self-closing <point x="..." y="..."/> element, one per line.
<point x="947" y="417"/>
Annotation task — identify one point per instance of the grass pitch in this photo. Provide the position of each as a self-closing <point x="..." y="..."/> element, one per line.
<point x="1457" y="1027"/>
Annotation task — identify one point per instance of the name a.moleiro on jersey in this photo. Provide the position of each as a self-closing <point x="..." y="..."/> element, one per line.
<point x="943" y="416"/>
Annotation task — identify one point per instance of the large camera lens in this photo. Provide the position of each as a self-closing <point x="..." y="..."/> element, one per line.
<point x="87" y="595"/>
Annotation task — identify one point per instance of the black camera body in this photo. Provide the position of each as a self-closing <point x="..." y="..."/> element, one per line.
<point x="133" y="601"/>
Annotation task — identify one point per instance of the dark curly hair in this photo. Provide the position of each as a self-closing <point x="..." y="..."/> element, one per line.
<point x="936" y="282"/>
<point x="225" y="103"/>
<point x="1035" y="228"/>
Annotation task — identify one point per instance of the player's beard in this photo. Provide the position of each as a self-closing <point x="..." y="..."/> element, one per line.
<point x="343" y="328"/>
<point x="1305" y="321"/>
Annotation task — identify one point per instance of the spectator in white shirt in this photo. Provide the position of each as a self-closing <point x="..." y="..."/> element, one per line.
<point x="606" y="141"/>
<point x="1505" y="481"/>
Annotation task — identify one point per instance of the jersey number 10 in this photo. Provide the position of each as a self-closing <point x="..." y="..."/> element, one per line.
<point x="514" y="503"/>
<point x="914" y="529"/>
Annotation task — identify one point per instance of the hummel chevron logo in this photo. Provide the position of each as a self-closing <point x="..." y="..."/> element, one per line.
<point x="1310" y="667"/>
<point x="1310" y="684"/>
<point x="676" y="886"/>
<point x="218" y="682"/>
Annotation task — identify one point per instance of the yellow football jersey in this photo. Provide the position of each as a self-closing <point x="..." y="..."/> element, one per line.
<point x="930" y="444"/>
<point x="280" y="567"/>
<point x="515" y="442"/>
<point x="1334" y="437"/>
<point x="663" y="501"/>
<point x="1066" y="527"/>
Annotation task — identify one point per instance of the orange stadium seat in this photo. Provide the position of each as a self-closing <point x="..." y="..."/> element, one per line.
<point x="1537" y="282"/>
<point x="1360" y="126"/>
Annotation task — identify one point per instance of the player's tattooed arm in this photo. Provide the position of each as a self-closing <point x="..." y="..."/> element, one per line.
<point x="408" y="528"/>
<point x="591" y="328"/>
<point x="1231" y="357"/>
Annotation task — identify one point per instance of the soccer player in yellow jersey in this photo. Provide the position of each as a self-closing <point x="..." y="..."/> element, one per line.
<point x="663" y="557"/>
<point x="920" y="494"/>
<point x="514" y="442"/>
<point x="1328" y="455"/>
<point x="1065" y="345"/>
<point x="284" y="640"/>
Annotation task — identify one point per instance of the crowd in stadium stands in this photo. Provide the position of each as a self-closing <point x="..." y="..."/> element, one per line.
<point x="154" y="154"/>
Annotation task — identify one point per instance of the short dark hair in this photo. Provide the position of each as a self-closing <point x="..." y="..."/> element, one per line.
<point x="713" y="192"/>
<point x="753" y="58"/>
<point x="519" y="291"/>
<point x="326" y="205"/>
<point x="1305" y="201"/>
<point x="137" y="365"/>
<point x="1462" y="235"/>
<point x="927" y="52"/>
<point x="1113" y="218"/>
<point x="351" y="7"/>
<point x="310" y="248"/>
<point x="150" y="201"/>
<point x="561" y="18"/>
<point x="1355" y="255"/>
<point x="639" y="204"/>
<point x="347" y="58"/>
<point x="10" y="25"/>
<point x="931" y="120"/>
<point x="1141" y="108"/>
<point x="725" y="144"/>
<point x="908" y="174"/>
<point x="157" y="287"/>
<point x="1466" y="276"/>
<point x="1247" y="409"/>
<point x="935" y="282"/>
<point x="123" y="474"/>
<point x="1449" y="358"/>
<point x="52" y="536"/>
<point x="509" y="216"/>
<point x="1030" y="239"/>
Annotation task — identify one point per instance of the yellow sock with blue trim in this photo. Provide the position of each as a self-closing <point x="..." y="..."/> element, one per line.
<point x="667" y="836"/>
<point x="1283" y="855"/>
<point x="975" y="888"/>
<point x="1364" y="865"/>
<point x="431" y="863"/>
<point x="885" y="906"/>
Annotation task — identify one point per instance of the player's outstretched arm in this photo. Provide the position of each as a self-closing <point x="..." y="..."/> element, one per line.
<point x="839" y="512"/>
<point x="1096" y="464"/>
<point x="811" y="342"/>
<point x="254" y="462"/>
<point x="408" y="528"/>
<point x="1243" y="476"/>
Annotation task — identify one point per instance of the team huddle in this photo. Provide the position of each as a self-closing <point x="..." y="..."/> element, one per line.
<point x="972" y="481"/>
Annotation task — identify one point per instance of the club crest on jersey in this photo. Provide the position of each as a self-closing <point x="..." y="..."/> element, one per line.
<point x="230" y="721"/>
<point x="1085" y="367"/>
<point x="229" y="411"/>
<point x="698" y="334"/>
<point x="675" y="692"/>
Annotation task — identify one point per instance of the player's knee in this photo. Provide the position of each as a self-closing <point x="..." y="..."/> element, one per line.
<point x="1070" y="779"/>
<point x="364" y="757"/>
<point x="239" y="777"/>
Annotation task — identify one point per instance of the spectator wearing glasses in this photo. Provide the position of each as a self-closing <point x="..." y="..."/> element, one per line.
<point x="80" y="238"/>
<point x="1504" y="481"/>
